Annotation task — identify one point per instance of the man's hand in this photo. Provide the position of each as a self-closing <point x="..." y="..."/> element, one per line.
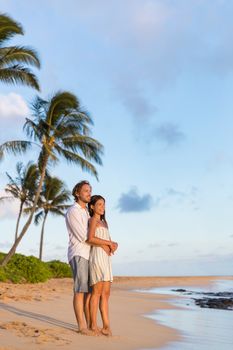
<point x="106" y="248"/>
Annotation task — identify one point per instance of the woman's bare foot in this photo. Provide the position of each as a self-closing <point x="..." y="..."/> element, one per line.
<point x="96" y="331"/>
<point x="85" y="331"/>
<point x="106" y="331"/>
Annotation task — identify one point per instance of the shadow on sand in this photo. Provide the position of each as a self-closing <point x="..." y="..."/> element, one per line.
<point x="40" y="317"/>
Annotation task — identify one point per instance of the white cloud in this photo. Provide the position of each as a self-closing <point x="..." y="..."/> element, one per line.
<point x="12" y="108"/>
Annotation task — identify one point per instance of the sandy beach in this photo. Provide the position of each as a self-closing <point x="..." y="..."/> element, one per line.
<point x="40" y="316"/>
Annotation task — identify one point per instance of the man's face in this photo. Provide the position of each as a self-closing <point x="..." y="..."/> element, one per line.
<point x="85" y="194"/>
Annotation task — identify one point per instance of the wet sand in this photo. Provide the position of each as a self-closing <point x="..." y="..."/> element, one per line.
<point x="40" y="316"/>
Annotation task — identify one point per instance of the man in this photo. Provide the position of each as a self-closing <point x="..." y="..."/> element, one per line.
<point x="77" y="218"/>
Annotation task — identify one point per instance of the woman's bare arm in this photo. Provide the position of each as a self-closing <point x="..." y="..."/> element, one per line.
<point x="93" y="240"/>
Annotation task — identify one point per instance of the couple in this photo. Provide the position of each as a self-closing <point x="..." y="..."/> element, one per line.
<point x="89" y="252"/>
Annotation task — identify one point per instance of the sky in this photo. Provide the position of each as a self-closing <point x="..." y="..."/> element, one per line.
<point x="157" y="79"/>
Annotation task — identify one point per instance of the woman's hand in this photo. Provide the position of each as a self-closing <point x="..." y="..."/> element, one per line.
<point x="113" y="247"/>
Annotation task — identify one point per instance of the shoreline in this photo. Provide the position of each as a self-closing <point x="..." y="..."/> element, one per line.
<point x="41" y="315"/>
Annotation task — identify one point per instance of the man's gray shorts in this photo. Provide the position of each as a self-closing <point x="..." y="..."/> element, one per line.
<point x="80" y="271"/>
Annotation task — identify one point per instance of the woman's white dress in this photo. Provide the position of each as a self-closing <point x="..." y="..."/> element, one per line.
<point x="100" y="262"/>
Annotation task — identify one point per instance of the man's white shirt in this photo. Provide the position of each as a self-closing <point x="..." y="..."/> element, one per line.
<point x="77" y="226"/>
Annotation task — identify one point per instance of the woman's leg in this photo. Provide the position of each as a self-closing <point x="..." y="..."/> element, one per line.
<point x="104" y="308"/>
<point x="94" y="303"/>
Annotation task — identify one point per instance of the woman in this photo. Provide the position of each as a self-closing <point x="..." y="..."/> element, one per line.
<point x="100" y="264"/>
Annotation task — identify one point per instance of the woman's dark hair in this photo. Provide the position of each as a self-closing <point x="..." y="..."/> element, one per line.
<point x="93" y="201"/>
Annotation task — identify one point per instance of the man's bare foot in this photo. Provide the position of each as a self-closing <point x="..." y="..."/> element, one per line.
<point x="85" y="331"/>
<point x="106" y="331"/>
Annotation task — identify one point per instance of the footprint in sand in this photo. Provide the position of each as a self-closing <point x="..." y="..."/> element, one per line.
<point x="39" y="335"/>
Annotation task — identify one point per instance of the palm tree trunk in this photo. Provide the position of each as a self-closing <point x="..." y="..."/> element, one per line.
<point x="26" y="226"/>
<point x="19" y="216"/>
<point x="42" y="236"/>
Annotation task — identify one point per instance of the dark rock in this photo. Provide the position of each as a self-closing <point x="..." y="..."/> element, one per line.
<point x="179" y="290"/>
<point x="215" y="303"/>
<point x="218" y="300"/>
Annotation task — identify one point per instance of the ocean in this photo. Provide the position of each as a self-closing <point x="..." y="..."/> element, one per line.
<point x="201" y="328"/>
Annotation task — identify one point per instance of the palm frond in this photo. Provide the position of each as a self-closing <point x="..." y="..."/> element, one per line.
<point x="62" y="207"/>
<point x="8" y="27"/>
<point x="33" y="130"/>
<point x="78" y="160"/>
<point x="19" y="168"/>
<point x="61" y="198"/>
<point x="76" y="117"/>
<point x="38" y="217"/>
<point x="75" y="122"/>
<point x="27" y="210"/>
<point x="90" y="148"/>
<point x="15" y="147"/>
<point x="14" y="190"/>
<point x="61" y="104"/>
<point x="6" y="199"/>
<point x="30" y="178"/>
<point x="52" y="187"/>
<point x="86" y="130"/>
<point x="19" y="74"/>
<point x="23" y="187"/>
<point x="12" y="182"/>
<point x="39" y="109"/>
<point x="85" y="115"/>
<point x="71" y="128"/>
<point x="18" y="54"/>
<point x="56" y="212"/>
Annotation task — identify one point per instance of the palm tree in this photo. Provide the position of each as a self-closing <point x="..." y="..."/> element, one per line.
<point x="22" y="187"/>
<point x="15" y="59"/>
<point x="62" y="129"/>
<point x="53" y="199"/>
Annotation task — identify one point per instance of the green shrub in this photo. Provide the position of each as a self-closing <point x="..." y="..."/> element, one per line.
<point x="29" y="269"/>
<point x="3" y="277"/>
<point x="22" y="269"/>
<point x="59" y="269"/>
<point x="2" y="256"/>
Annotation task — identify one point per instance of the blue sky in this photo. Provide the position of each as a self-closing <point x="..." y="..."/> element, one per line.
<point x="157" y="78"/>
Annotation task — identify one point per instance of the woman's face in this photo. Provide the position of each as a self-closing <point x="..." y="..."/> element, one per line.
<point x="99" y="207"/>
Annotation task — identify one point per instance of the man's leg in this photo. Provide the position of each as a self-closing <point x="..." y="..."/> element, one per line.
<point x="87" y="297"/>
<point x="78" y="303"/>
<point x="79" y="267"/>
